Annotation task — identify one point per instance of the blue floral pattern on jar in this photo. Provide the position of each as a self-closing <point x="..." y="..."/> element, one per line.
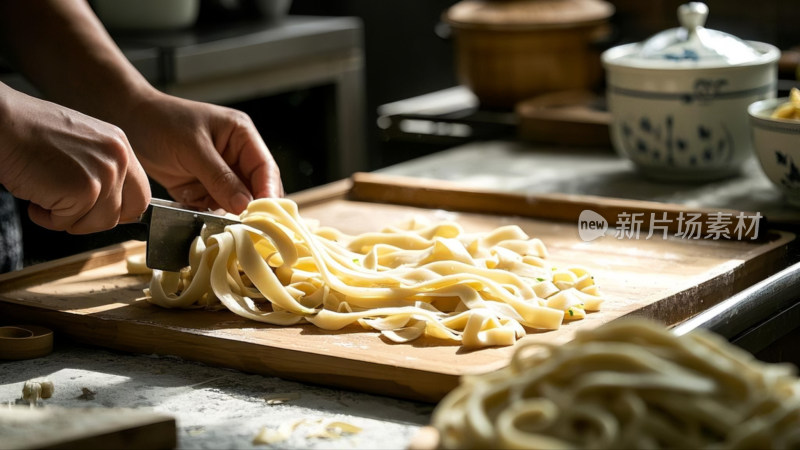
<point x="655" y="141"/>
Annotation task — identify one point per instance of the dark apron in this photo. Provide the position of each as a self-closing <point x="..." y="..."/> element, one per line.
<point x="10" y="234"/>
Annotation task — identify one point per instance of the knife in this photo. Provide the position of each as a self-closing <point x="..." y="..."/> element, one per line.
<point x="169" y="229"/>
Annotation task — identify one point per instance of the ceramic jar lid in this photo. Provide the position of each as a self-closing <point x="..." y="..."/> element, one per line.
<point x="527" y="14"/>
<point x="692" y="45"/>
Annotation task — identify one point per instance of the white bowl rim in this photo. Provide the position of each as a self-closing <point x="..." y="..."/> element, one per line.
<point x="762" y="109"/>
<point x="760" y="117"/>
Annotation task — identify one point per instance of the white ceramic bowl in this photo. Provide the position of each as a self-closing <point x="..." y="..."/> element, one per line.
<point x="777" y="145"/>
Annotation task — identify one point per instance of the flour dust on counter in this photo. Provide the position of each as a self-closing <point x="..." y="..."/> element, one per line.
<point x="213" y="407"/>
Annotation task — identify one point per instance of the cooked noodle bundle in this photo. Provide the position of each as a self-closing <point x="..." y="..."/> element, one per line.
<point x="435" y="280"/>
<point x="627" y="384"/>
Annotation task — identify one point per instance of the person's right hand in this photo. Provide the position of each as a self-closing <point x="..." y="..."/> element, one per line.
<point x="79" y="173"/>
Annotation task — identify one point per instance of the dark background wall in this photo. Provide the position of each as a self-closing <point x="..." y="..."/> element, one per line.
<point x="773" y="21"/>
<point x="404" y="57"/>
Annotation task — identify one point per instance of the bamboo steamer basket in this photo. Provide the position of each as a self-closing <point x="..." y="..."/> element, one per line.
<point x="507" y="51"/>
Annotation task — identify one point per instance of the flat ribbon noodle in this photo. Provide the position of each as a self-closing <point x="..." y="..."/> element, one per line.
<point x="479" y="289"/>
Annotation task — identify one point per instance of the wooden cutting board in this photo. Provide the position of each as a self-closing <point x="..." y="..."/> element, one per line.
<point x="91" y="298"/>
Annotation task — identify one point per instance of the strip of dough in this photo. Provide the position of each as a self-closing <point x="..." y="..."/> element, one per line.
<point x="627" y="384"/>
<point x="421" y="280"/>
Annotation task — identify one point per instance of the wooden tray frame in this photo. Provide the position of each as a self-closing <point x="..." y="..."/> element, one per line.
<point x="352" y="371"/>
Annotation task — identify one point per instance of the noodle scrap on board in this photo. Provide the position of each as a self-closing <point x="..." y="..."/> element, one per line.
<point x="436" y="280"/>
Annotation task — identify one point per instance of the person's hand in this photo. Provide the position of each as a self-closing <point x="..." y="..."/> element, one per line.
<point x="79" y="173"/>
<point x="206" y="156"/>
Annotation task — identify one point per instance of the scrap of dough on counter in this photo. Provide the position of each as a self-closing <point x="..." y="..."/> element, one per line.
<point x="322" y="429"/>
<point x="37" y="389"/>
<point x="421" y="279"/>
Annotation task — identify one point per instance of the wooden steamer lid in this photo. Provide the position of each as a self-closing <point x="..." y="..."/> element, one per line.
<point x="527" y="14"/>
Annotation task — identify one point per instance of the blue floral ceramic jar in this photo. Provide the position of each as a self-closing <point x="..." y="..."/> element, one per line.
<point x="678" y="101"/>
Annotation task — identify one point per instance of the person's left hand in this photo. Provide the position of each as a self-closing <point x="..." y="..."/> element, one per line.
<point x="206" y="156"/>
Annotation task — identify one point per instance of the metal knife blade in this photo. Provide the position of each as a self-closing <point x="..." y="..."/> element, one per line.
<point x="171" y="228"/>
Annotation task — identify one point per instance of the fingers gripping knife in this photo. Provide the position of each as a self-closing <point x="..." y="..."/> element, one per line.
<point x="169" y="229"/>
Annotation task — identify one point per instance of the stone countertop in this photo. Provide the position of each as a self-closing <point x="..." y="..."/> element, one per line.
<point x="214" y="408"/>
<point x="520" y="167"/>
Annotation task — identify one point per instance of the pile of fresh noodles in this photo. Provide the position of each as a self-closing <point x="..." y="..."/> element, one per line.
<point x="629" y="384"/>
<point x="434" y="280"/>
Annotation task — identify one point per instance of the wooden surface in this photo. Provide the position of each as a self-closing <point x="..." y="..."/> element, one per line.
<point x="23" y="427"/>
<point x="91" y="298"/>
<point x="569" y="118"/>
<point x="560" y="207"/>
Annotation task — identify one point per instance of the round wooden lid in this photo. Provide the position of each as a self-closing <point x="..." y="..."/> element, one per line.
<point x="25" y="342"/>
<point x="527" y="14"/>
